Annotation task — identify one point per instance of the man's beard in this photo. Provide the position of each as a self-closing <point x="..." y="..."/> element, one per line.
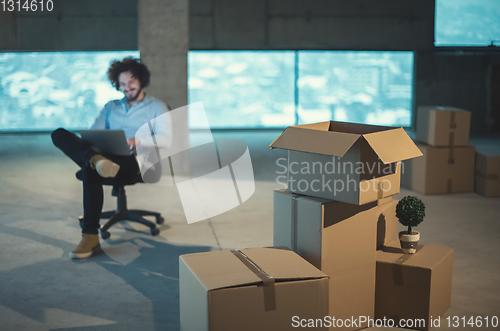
<point x="131" y="99"/>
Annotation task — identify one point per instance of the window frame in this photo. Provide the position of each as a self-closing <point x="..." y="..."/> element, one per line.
<point x="297" y="50"/>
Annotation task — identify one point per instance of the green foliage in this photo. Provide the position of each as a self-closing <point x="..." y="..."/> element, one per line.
<point x="410" y="211"/>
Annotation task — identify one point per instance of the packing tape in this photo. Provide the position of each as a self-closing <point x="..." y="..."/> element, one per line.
<point x="397" y="268"/>
<point x="453" y="124"/>
<point x="380" y="190"/>
<point x="405" y="257"/>
<point x="397" y="275"/>
<point x="451" y="160"/>
<point x="267" y="281"/>
<point x="486" y="176"/>
<point x="451" y="139"/>
<point x="295" y="211"/>
<point x="451" y="155"/>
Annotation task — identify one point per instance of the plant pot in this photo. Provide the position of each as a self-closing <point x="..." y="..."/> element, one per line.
<point x="409" y="242"/>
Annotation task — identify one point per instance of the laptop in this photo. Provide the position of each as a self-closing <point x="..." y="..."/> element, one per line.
<point x="111" y="142"/>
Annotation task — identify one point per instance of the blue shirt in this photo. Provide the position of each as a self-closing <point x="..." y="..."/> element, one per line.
<point x="117" y="115"/>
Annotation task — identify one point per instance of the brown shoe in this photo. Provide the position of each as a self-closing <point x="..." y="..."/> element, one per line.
<point x="88" y="245"/>
<point x="104" y="167"/>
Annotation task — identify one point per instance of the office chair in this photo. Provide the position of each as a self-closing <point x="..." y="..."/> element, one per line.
<point x="122" y="213"/>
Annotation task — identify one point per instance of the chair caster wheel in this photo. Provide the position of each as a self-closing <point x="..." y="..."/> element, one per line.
<point x="155" y="231"/>
<point x="105" y="234"/>
<point x="160" y="220"/>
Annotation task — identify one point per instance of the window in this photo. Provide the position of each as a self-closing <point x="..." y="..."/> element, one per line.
<point x="243" y="89"/>
<point x="275" y="89"/>
<point x="467" y="22"/>
<point x="361" y="87"/>
<point x="47" y="90"/>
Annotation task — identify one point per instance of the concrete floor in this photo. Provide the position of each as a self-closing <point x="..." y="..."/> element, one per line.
<point x="134" y="284"/>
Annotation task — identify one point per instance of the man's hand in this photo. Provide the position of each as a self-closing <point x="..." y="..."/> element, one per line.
<point x="132" y="142"/>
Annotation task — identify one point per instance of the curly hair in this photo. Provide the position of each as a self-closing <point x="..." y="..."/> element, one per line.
<point x="136" y="68"/>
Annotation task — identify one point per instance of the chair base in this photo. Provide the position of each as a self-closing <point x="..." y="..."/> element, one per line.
<point x="122" y="213"/>
<point x="134" y="215"/>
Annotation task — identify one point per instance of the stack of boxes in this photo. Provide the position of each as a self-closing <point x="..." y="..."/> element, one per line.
<point x="336" y="260"/>
<point x="338" y="212"/>
<point x="448" y="162"/>
<point x="487" y="181"/>
<point x="341" y="240"/>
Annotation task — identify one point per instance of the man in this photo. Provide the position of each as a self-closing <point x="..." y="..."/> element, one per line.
<point x="129" y="76"/>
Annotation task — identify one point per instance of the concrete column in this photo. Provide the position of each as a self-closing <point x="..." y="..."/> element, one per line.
<point x="164" y="42"/>
<point x="163" y="38"/>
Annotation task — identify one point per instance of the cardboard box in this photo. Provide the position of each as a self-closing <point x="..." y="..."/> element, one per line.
<point x="347" y="162"/>
<point x="250" y="289"/>
<point x="340" y="239"/>
<point x="440" y="170"/>
<point x="443" y="126"/>
<point x="295" y="216"/>
<point x="413" y="286"/>
<point x="487" y="181"/>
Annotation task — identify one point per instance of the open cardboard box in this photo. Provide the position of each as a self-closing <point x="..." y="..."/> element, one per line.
<point x="250" y="289"/>
<point x="347" y="162"/>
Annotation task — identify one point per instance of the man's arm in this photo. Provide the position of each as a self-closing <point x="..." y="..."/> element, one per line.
<point x="101" y="122"/>
<point x="156" y="132"/>
<point x="152" y="145"/>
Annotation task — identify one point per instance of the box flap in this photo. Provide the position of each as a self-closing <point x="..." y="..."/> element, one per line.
<point x="336" y="138"/>
<point x="392" y="145"/>
<point x="219" y="269"/>
<point x="357" y="128"/>
<point x="314" y="140"/>
<point x="322" y="126"/>
<point x="222" y="269"/>
<point x="283" y="264"/>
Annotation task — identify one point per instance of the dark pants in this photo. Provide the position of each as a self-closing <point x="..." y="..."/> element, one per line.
<point x="81" y="152"/>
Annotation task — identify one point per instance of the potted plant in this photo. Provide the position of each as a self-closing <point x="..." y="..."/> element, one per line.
<point x="410" y="211"/>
